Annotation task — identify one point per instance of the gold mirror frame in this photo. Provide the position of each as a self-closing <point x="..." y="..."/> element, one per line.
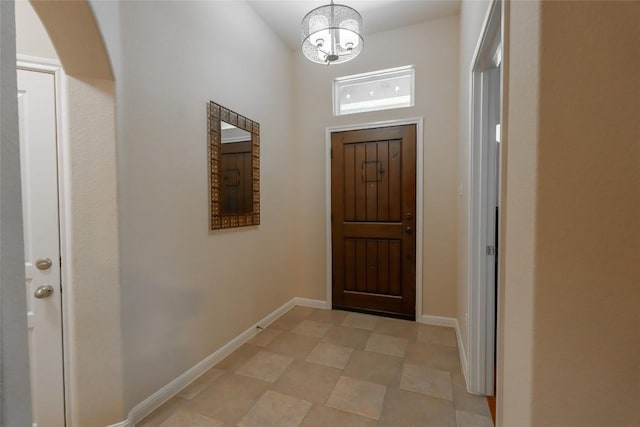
<point x="215" y="114"/>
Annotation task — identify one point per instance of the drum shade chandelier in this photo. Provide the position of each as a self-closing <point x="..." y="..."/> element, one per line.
<point x="332" y="34"/>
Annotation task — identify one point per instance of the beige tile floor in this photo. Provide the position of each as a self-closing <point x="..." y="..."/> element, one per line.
<point x="332" y="368"/>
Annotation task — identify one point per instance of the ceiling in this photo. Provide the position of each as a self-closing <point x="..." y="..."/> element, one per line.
<point x="284" y="16"/>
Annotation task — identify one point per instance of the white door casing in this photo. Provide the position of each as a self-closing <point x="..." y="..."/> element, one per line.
<point x="484" y="164"/>
<point x="38" y="153"/>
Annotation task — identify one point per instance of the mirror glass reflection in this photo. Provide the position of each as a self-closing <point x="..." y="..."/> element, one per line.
<point x="236" y="173"/>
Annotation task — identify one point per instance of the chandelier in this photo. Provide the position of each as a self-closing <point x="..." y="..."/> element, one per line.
<point x="332" y="34"/>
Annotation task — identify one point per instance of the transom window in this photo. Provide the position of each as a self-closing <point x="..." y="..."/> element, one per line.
<point x="377" y="90"/>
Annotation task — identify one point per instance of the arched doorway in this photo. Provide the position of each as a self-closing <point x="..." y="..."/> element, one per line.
<point x="88" y="205"/>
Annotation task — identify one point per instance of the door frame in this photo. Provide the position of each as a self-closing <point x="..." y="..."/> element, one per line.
<point x="418" y="122"/>
<point x="50" y="66"/>
<point x="482" y="302"/>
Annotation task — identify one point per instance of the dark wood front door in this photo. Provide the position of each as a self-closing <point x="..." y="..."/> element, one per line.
<point x="373" y="209"/>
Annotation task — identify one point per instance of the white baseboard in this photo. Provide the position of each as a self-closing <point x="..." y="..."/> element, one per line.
<point x="154" y="401"/>
<point x="266" y="321"/>
<point x="463" y="354"/>
<point x="449" y="322"/>
<point x="313" y="303"/>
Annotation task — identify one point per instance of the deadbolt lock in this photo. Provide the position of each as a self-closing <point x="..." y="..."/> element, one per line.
<point x="43" y="263"/>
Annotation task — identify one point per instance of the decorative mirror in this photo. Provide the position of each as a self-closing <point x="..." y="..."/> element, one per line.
<point x="234" y="168"/>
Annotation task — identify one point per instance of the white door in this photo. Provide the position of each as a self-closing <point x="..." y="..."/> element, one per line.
<point x="38" y="154"/>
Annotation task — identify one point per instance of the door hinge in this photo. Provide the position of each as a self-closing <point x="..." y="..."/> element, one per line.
<point x="331" y="153"/>
<point x="60" y="258"/>
<point x="491" y="250"/>
<point x="331" y="217"/>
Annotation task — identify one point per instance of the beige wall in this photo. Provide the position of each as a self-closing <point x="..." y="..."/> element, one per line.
<point x="587" y="216"/>
<point x="515" y="324"/>
<point x="433" y="48"/>
<point x="31" y="37"/>
<point x="187" y="291"/>
<point x="572" y="272"/>
<point x="472" y="15"/>
<point x="95" y="328"/>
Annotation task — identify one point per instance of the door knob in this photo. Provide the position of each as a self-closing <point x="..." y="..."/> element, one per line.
<point x="43" y="263"/>
<point x="43" y="291"/>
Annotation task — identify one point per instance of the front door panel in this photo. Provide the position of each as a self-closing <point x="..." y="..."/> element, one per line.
<point x="373" y="202"/>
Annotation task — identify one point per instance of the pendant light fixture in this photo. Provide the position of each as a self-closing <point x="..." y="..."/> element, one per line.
<point x="332" y="34"/>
